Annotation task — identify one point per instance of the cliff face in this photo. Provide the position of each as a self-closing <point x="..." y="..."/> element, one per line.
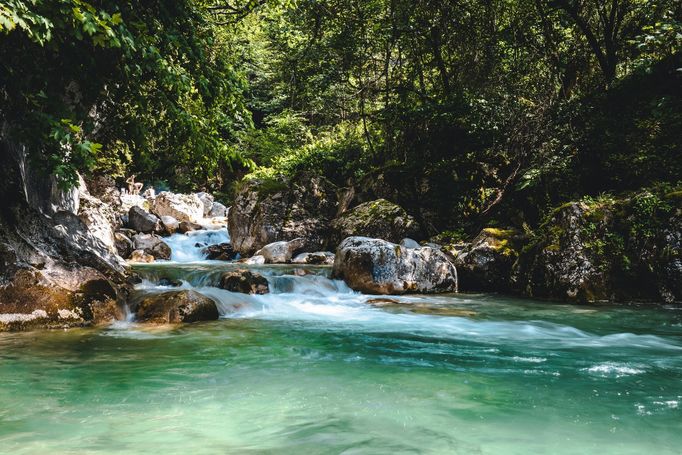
<point x="53" y="271"/>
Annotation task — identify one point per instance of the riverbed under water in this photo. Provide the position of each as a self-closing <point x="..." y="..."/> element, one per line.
<point x="314" y="368"/>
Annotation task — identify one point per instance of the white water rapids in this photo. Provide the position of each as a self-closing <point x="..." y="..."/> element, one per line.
<point x="311" y="297"/>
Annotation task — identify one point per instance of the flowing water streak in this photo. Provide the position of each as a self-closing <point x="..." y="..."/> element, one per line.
<point x="188" y="247"/>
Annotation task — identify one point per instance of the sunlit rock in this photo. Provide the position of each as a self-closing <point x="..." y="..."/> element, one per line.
<point x="375" y="266"/>
<point x="182" y="207"/>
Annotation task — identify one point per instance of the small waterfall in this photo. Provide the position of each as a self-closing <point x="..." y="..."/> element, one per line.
<point x="188" y="247"/>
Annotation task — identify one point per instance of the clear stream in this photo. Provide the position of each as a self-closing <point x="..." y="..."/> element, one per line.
<point x="314" y="368"/>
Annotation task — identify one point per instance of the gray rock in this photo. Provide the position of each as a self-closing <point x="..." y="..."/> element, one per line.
<point x="218" y="210"/>
<point x="409" y="243"/>
<point x="319" y="258"/>
<point x="255" y="260"/>
<point x="207" y="200"/>
<point x="170" y="225"/>
<point x="245" y="282"/>
<point x="143" y="221"/>
<point x="379" y="219"/>
<point x="54" y="271"/>
<point x="376" y="266"/>
<point x="153" y="245"/>
<point x="267" y="211"/>
<point x="100" y="218"/>
<point x="592" y="251"/>
<point x="281" y="252"/>
<point x="124" y="246"/>
<point x="176" y="307"/>
<point x="182" y="207"/>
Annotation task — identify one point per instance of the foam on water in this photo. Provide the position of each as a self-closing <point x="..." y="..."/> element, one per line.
<point x="188" y="247"/>
<point x="331" y="305"/>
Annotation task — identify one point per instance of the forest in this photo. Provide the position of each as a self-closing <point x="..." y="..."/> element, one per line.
<point x="507" y="108"/>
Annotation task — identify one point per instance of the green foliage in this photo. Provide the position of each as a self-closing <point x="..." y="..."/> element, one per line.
<point x="151" y="81"/>
<point x="467" y="112"/>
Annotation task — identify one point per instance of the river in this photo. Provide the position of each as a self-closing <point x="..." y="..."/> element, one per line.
<point x="315" y="368"/>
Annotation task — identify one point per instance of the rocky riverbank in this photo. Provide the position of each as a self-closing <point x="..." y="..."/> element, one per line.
<point x="65" y="254"/>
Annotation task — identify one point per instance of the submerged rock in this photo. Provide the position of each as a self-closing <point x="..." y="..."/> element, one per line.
<point x="282" y="209"/>
<point x="420" y="308"/>
<point x="281" y="252"/>
<point x="153" y="245"/>
<point x="486" y="263"/>
<point x="175" y="307"/>
<point x="142" y="221"/>
<point x="376" y="266"/>
<point x="379" y="219"/>
<point x="182" y="207"/>
<point x="245" y="282"/>
<point x="319" y="258"/>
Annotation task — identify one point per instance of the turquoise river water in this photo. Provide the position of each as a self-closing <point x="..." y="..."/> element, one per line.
<point x="314" y="368"/>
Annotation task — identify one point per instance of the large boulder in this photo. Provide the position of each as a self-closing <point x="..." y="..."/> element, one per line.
<point x="142" y="221"/>
<point x="609" y="249"/>
<point x="245" y="282"/>
<point x="60" y="298"/>
<point x="176" y="307"/>
<point x="153" y="245"/>
<point x="375" y="266"/>
<point x="282" y="209"/>
<point x="54" y="271"/>
<point x="281" y="252"/>
<point x="182" y="207"/>
<point x="379" y="219"/>
<point x="486" y="263"/>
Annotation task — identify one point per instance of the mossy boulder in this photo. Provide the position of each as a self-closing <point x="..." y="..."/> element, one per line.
<point x="486" y="263"/>
<point x="379" y="219"/>
<point x="282" y="209"/>
<point x="607" y="249"/>
<point x="59" y="299"/>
